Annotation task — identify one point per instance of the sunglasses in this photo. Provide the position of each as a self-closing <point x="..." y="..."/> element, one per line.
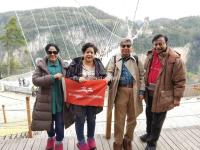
<point x="160" y="44"/>
<point x="123" y="46"/>
<point x="52" y="52"/>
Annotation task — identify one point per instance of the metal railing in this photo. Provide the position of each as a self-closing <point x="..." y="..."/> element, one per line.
<point x="191" y="90"/>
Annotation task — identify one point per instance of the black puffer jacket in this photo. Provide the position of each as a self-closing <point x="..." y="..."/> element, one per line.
<point x="74" y="71"/>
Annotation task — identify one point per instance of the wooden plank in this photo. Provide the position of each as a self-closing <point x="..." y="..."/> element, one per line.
<point x="110" y="141"/>
<point x="168" y="140"/>
<point x="1" y="138"/>
<point x="7" y="144"/>
<point x="178" y="139"/>
<point x="98" y="142"/>
<point x="43" y="141"/>
<point x="3" y="143"/>
<point x="71" y="143"/>
<point x="196" y="132"/>
<point x="75" y="143"/>
<point x="15" y="143"/>
<point x="105" y="143"/>
<point x="21" y="145"/>
<point x="190" y="140"/>
<point x="65" y="143"/>
<point x="182" y="137"/>
<point x="36" y="144"/>
<point x="165" y="144"/>
<point x="29" y="144"/>
<point x="137" y="141"/>
<point x="196" y="138"/>
<point x="161" y="145"/>
<point x="134" y="145"/>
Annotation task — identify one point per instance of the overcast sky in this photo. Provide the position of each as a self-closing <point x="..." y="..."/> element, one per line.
<point x="120" y="8"/>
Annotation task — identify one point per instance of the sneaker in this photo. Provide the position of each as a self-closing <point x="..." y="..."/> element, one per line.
<point x="144" y="138"/>
<point x="83" y="146"/>
<point x="148" y="147"/>
<point x="117" y="146"/>
<point x="50" y="143"/>
<point x="127" y="145"/>
<point x="91" y="144"/>
<point x="58" y="146"/>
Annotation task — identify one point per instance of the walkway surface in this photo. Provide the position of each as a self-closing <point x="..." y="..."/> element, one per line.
<point x="181" y="129"/>
<point x="186" y="138"/>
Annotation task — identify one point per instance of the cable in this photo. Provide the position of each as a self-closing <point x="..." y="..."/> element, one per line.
<point x="12" y="98"/>
<point x="25" y="39"/>
<point x="136" y="10"/>
<point x="16" y="109"/>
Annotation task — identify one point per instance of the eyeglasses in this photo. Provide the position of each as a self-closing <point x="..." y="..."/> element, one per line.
<point x="123" y="46"/>
<point x="52" y="52"/>
<point x="159" y="44"/>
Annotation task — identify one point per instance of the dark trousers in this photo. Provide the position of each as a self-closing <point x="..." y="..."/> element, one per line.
<point x="59" y="126"/>
<point x="87" y="113"/>
<point x="154" y="122"/>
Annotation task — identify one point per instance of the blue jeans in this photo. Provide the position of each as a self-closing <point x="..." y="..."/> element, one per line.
<point x="87" y="113"/>
<point x="59" y="126"/>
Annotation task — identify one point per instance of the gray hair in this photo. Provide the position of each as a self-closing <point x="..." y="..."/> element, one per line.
<point x="125" y="40"/>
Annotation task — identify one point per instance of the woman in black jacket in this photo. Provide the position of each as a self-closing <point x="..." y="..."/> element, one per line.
<point x="81" y="69"/>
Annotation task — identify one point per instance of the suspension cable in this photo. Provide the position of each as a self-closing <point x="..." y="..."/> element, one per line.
<point x="25" y="39"/>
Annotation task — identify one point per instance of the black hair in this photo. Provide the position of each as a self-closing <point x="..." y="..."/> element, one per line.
<point x="159" y="36"/>
<point x="51" y="44"/>
<point x="87" y="45"/>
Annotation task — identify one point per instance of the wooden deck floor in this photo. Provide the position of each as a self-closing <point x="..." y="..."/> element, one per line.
<point x="185" y="138"/>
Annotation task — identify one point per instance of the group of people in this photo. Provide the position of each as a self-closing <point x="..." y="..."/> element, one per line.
<point x="21" y="81"/>
<point x="160" y="82"/>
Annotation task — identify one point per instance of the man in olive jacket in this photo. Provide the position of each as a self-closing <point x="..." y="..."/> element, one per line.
<point x="126" y="74"/>
<point x="165" y="84"/>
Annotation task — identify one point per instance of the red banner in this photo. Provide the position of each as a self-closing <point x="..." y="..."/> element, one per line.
<point x="88" y="93"/>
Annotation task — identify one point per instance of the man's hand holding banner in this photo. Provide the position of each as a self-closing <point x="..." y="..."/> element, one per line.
<point x="88" y="93"/>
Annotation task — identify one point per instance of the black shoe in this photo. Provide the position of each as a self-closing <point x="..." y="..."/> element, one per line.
<point x="148" y="147"/>
<point x="144" y="138"/>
